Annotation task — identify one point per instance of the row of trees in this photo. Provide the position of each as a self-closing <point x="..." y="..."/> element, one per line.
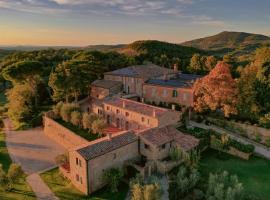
<point x="69" y="112"/>
<point x="202" y="64"/>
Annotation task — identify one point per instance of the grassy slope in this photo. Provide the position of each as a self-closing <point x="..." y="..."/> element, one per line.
<point x="21" y="190"/>
<point x="66" y="191"/>
<point x="254" y="174"/>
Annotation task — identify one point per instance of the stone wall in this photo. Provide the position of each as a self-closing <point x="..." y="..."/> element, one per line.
<point x="61" y="134"/>
<point x="259" y="134"/>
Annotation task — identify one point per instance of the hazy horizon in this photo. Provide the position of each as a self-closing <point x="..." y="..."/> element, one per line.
<point x="100" y="22"/>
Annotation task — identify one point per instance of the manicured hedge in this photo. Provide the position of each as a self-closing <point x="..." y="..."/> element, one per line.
<point x="205" y="138"/>
<point x="246" y="148"/>
<point x="201" y="134"/>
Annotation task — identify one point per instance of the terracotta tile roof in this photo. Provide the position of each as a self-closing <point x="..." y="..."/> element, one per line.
<point x="138" y="107"/>
<point x="186" y="142"/>
<point x="142" y="71"/>
<point x="158" y="136"/>
<point x="163" y="135"/>
<point x="107" y="84"/>
<point x="106" y="145"/>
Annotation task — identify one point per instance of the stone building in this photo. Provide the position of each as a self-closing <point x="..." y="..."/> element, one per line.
<point x="104" y="88"/>
<point x="146" y="133"/>
<point x="88" y="162"/>
<point x="178" y="90"/>
<point x="134" y="77"/>
<point x="132" y="115"/>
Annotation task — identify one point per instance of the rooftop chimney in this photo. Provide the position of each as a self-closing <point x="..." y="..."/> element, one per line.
<point x="154" y="112"/>
<point x="109" y="136"/>
<point x="175" y="68"/>
<point x="142" y="100"/>
<point x="173" y="107"/>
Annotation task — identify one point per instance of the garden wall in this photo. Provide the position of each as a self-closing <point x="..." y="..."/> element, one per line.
<point x="61" y="134"/>
<point x="259" y="134"/>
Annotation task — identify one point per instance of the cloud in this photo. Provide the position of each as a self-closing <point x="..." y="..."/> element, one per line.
<point x="174" y="9"/>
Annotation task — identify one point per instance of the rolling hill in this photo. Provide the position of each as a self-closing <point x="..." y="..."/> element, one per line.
<point x="235" y="43"/>
<point x="157" y="48"/>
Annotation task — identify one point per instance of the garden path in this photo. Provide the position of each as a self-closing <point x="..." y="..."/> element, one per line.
<point x="165" y="188"/>
<point x="259" y="148"/>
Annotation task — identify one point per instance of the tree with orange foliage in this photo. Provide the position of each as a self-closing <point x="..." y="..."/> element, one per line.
<point x="216" y="91"/>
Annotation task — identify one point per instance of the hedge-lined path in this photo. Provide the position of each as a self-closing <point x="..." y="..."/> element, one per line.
<point x="35" y="152"/>
<point x="259" y="148"/>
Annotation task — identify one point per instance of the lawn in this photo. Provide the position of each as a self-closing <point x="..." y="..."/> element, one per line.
<point x="21" y="191"/>
<point x="64" y="190"/>
<point x="79" y="131"/>
<point x="254" y="173"/>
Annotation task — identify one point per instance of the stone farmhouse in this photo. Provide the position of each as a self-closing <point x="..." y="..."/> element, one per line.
<point x="145" y="134"/>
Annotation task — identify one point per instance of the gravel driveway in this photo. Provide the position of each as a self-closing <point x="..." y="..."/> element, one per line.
<point x="32" y="149"/>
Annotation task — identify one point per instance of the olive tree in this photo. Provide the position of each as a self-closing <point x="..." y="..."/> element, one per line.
<point x="113" y="177"/>
<point x="76" y="118"/>
<point x="66" y="111"/>
<point x="98" y="126"/>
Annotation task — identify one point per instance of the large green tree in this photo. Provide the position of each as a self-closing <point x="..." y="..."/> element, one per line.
<point x="25" y="72"/>
<point x="73" y="78"/>
<point x="20" y="104"/>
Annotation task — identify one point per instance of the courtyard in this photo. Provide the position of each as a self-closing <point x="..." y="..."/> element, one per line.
<point x="32" y="149"/>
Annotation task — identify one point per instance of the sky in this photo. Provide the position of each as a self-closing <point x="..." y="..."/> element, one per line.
<point x="90" y="22"/>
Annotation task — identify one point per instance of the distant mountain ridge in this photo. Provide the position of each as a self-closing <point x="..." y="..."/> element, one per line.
<point x="236" y="43"/>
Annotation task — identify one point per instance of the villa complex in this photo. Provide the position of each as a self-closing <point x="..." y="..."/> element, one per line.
<point x="146" y="134"/>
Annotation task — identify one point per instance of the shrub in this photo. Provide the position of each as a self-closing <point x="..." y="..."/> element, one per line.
<point x="8" y="179"/>
<point x="258" y="138"/>
<point x="267" y="142"/>
<point x="98" y="126"/>
<point x="175" y="154"/>
<point x="14" y="172"/>
<point x="265" y="121"/>
<point x="113" y="177"/>
<point x="57" y="109"/>
<point x="88" y="119"/>
<point x="76" y="118"/>
<point x="66" y="110"/>
<point x="145" y="190"/>
<point x="246" y="148"/>
<point x="62" y="159"/>
<point x="183" y="183"/>
<point x="224" y="186"/>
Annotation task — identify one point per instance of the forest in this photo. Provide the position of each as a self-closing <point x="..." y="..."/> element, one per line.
<point x="33" y="81"/>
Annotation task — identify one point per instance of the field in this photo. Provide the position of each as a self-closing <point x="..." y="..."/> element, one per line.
<point x="254" y="173"/>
